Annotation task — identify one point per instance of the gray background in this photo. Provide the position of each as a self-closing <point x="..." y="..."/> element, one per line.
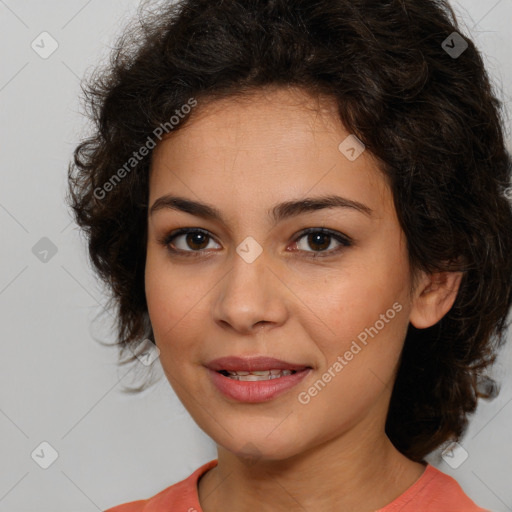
<point x="59" y="385"/>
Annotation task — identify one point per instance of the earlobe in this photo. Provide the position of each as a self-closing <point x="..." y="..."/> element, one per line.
<point x="434" y="298"/>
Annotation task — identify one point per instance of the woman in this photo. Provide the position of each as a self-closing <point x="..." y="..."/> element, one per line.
<point x="303" y="206"/>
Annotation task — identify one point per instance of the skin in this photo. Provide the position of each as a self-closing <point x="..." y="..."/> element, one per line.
<point x="243" y="157"/>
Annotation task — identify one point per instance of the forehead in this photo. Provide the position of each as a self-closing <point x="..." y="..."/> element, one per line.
<point x="280" y="143"/>
<point x="275" y="119"/>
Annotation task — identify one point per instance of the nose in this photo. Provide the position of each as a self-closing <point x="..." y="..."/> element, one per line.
<point x="251" y="296"/>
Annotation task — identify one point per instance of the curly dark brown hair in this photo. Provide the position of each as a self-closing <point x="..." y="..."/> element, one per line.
<point x="430" y="117"/>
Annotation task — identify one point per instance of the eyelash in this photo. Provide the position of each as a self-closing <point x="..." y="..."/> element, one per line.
<point x="342" y="239"/>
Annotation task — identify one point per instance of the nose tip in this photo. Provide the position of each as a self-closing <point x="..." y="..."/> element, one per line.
<point x="248" y="300"/>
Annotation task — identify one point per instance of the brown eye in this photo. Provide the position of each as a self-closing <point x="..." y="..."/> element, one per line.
<point x="196" y="240"/>
<point x="320" y="240"/>
<point x="187" y="241"/>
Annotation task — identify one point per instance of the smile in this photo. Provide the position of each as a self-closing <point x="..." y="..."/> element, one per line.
<point x="256" y="386"/>
<point x="256" y="375"/>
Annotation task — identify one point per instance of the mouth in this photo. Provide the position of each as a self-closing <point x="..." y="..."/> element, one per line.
<point x="255" y="379"/>
<point x="254" y="376"/>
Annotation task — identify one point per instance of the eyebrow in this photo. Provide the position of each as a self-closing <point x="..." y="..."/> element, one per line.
<point x="278" y="213"/>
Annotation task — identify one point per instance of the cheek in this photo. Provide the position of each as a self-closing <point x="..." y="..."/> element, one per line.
<point x="175" y="307"/>
<point x="346" y="303"/>
<point x="358" y="361"/>
<point x="363" y="322"/>
<point x="363" y="339"/>
<point x="172" y="291"/>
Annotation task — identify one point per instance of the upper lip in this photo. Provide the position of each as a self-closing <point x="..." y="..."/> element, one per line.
<point x="252" y="363"/>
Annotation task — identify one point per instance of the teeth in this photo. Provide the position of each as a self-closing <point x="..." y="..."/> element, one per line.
<point x="258" y="375"/>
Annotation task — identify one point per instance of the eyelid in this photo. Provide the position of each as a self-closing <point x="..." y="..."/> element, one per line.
<point x="344" y="241"/>
<point x="167" y="238"/>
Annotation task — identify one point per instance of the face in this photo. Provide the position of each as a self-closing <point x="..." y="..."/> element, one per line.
<point x="251" y="283"/>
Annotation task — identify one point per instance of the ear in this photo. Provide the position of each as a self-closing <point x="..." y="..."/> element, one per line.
<point x="434" y="297"/>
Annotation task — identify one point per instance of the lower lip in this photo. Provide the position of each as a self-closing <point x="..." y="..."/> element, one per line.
<point x="256" y="391"/>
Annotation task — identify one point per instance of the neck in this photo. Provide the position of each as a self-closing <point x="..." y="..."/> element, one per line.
<point x="339" y="474"/>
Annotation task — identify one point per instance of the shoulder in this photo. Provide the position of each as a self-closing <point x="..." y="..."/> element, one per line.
<point x="435" y="491"/>
<point x="182" y="493"/>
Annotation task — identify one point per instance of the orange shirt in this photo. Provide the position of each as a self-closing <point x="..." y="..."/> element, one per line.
<point x="434" y="491"/>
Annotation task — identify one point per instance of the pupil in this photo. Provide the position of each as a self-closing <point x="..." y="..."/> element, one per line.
<point x="194" y="239"/>
<point x="313" y="238"/>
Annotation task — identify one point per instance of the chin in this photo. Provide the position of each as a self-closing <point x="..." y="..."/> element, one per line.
<point x="253" y="449"/>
